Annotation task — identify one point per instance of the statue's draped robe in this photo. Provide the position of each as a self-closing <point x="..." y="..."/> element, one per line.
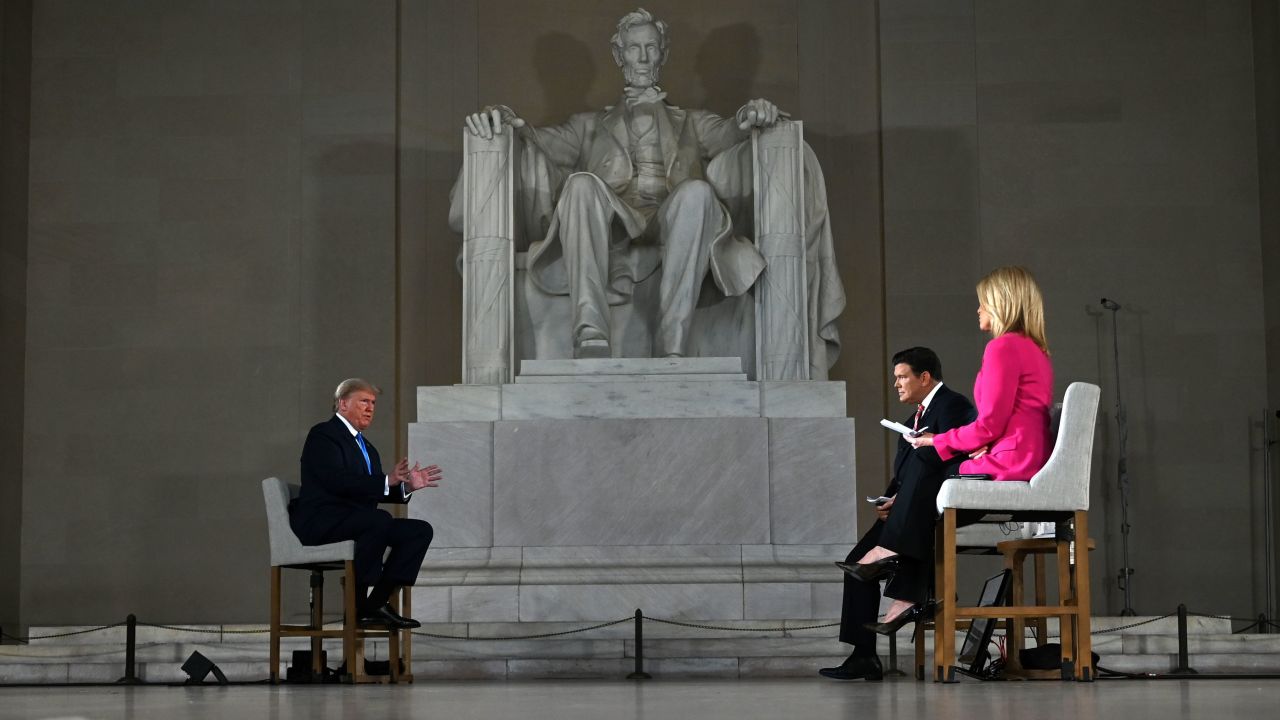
<point x="696" y="144"/>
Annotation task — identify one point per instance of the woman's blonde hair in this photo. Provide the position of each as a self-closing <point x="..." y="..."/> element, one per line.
<point x="1013" y="301"/>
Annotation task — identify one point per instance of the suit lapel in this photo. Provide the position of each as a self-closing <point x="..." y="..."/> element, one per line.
<point x="353" y="456"/>
<point x="615" y="121"/>
<point x="670" y="126"/>
<point x="904" y="450"/>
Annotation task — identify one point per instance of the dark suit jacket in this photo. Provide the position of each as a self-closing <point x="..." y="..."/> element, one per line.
<point x="335" y="481"/>
<point x="948" y="410"/>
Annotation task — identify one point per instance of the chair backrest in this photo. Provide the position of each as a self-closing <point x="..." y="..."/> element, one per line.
<point x="1066" y="475"/>
<point x="276" y="494"/>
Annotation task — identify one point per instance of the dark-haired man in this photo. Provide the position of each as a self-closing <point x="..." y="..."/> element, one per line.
<point x="906" y="521"/>
<point x="342" y="484"/>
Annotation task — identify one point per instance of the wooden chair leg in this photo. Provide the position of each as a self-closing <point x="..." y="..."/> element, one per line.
<point x="317" y="622"/>
<point x="1041" y="624"/>
<point x="393" y="655"/>
<point x="1084" y="640"/>
<point x="944" y="640"/>
<point x="1013" y="562"/>
<point x="275" y="624"/>
<point x="920" y="651"/>
<point x="349" y="620"/>
<point x="406" y="640"/>
<point x="1066" y="624"/>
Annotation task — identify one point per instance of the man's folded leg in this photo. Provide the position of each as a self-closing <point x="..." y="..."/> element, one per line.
<point x="861" y="604"/>
<point x="409" y="540"/>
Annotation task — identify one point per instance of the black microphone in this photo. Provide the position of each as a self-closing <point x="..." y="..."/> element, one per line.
<point x="1110" y="304"/>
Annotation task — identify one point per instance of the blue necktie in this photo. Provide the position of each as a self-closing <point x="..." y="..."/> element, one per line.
<point x="360" y="441"/>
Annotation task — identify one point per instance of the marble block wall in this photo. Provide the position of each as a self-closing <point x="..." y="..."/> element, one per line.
<point x="730" y="510"/>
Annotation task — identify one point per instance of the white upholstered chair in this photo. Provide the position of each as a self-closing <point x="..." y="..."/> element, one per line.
<point x="289" y="552"/>
<point x="1059" y="493"/>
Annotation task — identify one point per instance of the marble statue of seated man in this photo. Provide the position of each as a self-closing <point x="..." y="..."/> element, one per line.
<point x="617" y="193"/>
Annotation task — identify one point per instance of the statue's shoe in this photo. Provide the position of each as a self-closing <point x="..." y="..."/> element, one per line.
<point x="593" y="349"/>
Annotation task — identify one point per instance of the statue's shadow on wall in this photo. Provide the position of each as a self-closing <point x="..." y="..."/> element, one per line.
<point x="723" y="74"/>
<point x="726" y="64"/>
<point x="566" y="70"/>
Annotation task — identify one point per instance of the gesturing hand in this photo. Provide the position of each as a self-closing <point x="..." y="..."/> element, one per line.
<point x="424" y="477"/>
<point x="400" y="473"/>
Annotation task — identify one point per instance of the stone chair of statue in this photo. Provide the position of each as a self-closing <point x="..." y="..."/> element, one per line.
<point x="782" y="326"/>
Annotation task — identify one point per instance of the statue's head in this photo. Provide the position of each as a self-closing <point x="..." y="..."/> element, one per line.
<point x="640" y="48"/>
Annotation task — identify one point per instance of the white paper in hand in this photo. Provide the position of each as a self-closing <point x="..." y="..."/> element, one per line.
<point x="900" y="428"/>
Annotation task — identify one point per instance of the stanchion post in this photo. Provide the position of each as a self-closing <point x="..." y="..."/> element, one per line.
<point x="639" y="673"/>
<point x="1184" y="665"/>
<point x="130" y="652"/>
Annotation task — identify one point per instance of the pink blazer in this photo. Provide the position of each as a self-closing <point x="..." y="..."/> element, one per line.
<point x="1013" y="392"/>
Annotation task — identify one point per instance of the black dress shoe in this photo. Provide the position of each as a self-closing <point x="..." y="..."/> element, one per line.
<point x="406" y="622"/>
<point x="913" y="614"/>
<point x="856" y="667"/>
<point x="872" y="571"/>
<point x="383" y="618"/>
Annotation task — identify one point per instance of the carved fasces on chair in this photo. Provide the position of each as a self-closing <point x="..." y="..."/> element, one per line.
<point x="488" y="258"/>
<point x="782" y="317"/>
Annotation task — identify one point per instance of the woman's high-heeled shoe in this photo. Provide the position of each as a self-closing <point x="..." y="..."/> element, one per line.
<point x="872" y="571"/>
<point x="913" y="614"/>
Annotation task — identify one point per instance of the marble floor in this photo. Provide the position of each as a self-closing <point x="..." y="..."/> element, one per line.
<point x="710" y="700"/>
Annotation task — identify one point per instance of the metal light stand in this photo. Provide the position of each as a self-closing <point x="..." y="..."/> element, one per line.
<point x="1268" y="441"/>
<point x="1125" y="576"/>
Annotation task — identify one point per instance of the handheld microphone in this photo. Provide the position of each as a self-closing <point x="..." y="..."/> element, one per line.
<point x="1111" y="305"/>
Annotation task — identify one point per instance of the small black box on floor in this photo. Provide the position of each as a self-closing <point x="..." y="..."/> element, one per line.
<point x="373" y="667"/>
<point x="300" y="669"/>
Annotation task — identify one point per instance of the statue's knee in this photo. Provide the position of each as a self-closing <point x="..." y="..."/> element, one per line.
<point x="694" y="190"/>
<point x="580" y="185"/>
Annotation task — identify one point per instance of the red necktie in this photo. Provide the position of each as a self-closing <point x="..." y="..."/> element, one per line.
<point x="915" y="424"/>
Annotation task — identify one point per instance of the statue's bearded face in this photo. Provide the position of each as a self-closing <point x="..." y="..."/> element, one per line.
<point x="640" y="56"/>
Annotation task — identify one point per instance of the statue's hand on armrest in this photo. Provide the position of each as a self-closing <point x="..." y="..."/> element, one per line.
<point x="758" y="113"/>
<point x="490" y="121"/>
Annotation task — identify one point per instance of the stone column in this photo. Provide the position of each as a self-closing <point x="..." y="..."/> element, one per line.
<point x="488" y="258"/>
<point x="782" y="317"/>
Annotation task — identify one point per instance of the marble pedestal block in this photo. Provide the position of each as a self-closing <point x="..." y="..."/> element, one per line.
<point x="589" y="488"/>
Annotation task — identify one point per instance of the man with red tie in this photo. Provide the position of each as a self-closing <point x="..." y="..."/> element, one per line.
<point x="906" y="520"/>
<point x="342" y="484"/>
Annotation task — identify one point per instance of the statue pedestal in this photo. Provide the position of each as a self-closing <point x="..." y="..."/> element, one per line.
<point x="589" y="488"/>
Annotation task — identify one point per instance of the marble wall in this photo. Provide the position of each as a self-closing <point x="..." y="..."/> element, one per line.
<point x="232" y="205"/>
<point x="1111" y="148"/>
<point x="235" y="205"/>
<point x="1266" y="50"/>
<point x="15" y="107"/>
<point x="212" y="247"/>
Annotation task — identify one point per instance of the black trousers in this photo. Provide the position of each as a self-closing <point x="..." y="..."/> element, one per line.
<point x="375" y="530"/>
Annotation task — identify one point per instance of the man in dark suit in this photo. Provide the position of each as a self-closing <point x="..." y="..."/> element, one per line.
<point x="902" y="538"/>
<point x="342" y="484"/>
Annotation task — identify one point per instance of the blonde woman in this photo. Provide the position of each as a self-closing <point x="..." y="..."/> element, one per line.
<point x="1014" y="387"/>
<point x="1013" y="391"/>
